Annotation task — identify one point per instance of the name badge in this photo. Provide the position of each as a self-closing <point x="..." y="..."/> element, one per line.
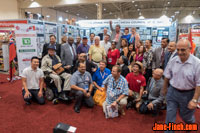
<point x="102" y="86"/>
<point x="86" y="87"/>
<point x="109" y="60"/>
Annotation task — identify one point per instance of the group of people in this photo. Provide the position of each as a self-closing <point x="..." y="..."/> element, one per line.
<point x="133" y="73"/>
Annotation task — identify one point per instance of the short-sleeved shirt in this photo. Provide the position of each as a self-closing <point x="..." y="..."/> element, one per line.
<point x="113" y="56"/>
<point x="97" y="53"/>
<point x="115" y="88"/>
<point x="135" y="82"/>
<point x="99" y="76"/>
<point x="183" y="76"/>
<point x="32" y="77"/>
<point x="82" y="49"/>
<point x="106" y="46"/>
<point x="81" y="80"/>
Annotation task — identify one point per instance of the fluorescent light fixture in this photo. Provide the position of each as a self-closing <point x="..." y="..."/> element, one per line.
<point x="189" y="18"/>
<point x="141" y="17"/>
<point x="66" y="11"/>
<point x="48" y="16"/>
<point x="60" y="19"/>
<point x="133" y="1"/>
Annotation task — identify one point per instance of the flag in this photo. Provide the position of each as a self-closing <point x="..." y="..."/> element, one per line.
<point x="190" y="39"/>
<point x="12" y="55"/>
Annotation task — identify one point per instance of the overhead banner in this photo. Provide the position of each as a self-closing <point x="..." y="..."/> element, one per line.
<point x="26" y="43"/>
<point x="125" y="22"/>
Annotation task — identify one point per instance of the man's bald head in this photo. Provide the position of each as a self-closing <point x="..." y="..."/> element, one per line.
<point x="183" y="49"/>
<point x="171" y="47"/>
<point x="157" y="74"/>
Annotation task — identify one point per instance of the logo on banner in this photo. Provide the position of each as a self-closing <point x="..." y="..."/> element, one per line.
<point x="26" y="41"/>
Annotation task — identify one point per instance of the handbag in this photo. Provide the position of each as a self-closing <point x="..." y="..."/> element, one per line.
<point x="99" y="97"/>
<point x="58" y="68"/>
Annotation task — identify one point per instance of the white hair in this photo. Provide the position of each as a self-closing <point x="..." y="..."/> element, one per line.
<point x="96" y="37"/>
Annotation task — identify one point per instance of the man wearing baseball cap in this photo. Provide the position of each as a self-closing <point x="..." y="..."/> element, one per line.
<point x="84" y="47"/>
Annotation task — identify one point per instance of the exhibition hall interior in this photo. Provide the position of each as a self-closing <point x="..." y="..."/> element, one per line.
<point x="107" y="66"/>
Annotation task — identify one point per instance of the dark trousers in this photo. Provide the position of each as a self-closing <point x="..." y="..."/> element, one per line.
<point x="79" y="95"/>
<point x="144" y="109"/>
<point x="34" y="95"/>
<point x="148" y="74"/>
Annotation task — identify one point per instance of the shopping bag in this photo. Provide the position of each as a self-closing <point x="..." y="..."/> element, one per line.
<point x="99" y="97"/>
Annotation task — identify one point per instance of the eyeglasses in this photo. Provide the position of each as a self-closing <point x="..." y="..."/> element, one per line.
<point x="182" y="50"/>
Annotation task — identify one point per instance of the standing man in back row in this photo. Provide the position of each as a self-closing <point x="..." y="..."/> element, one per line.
<point x="183" y="83"/>
<point x="116" y="34"/>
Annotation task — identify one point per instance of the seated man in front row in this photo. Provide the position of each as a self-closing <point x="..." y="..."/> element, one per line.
<point x="155" y="98"/>
<point x="81" y="84"/>
<point x="32" y="80"/>
<point x="48" y="62"/>
<point x="100" y="75"/>
<point x="117" y="90"/>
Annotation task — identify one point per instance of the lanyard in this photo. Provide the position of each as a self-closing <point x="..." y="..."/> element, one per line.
<point x="102" y="75"/>
<point x="114" y="86"/>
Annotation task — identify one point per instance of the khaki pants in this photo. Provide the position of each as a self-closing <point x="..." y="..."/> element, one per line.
<point x="57" y="80"/>
<point x="122" y="103"/>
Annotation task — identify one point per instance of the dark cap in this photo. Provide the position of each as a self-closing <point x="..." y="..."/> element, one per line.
<point x="85" y="37"/>
<point x="51" y="47"/>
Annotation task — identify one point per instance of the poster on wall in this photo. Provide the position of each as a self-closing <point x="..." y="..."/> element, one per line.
<point x="26" y="43"/>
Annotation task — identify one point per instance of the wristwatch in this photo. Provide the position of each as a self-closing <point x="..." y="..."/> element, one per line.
<point x="194" y="100"/>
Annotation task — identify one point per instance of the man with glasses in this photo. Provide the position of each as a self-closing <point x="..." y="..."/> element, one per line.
<point x="183" y="83"/>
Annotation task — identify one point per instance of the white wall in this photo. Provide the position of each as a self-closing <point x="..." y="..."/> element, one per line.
<point x="8" y="9"/>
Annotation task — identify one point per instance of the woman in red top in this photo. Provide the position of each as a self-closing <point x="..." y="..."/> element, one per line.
<point x="113" y="55"/>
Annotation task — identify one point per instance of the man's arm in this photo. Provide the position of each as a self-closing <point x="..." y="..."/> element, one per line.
<point x="62" y="55"/>
<point x="118" y="100"/>
<point x="24" y="84"/>
<point x="141" y="92"/>
<point x="165" y="86"/>
<point x="41" y="84"/>
<point x="111" y="26"/>
<point x="96" y="85"/>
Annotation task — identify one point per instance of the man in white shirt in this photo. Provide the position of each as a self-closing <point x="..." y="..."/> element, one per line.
<point x="32" y="80"/>
<point x="105" y="43"/>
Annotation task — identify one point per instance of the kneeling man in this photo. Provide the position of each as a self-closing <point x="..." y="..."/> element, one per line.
<point x="32" y="80"/>
<point x="81" y="84"/>
<point x="117" y="90"/>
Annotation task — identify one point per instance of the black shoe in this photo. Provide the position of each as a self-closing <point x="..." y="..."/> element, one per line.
<point x="77" y="109"/>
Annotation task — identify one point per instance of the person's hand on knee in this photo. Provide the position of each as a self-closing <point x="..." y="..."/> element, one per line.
<point x="40" y="93"/>
<point x="150" y="106"/>
<point x="27" y="94"/>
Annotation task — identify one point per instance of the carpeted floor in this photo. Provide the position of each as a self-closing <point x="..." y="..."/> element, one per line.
<point x="16" y="117"/>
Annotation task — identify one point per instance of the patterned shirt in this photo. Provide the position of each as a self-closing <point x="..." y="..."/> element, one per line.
<point x="148" y="59"/>
<point x="115" y="88"/>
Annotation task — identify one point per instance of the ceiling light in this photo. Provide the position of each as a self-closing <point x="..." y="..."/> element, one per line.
<point x="104" y="9"/>
<point x="48" y="16"/>
<point x="133" y="1"/>
<point x="66" y="11"/>
<point x="168" y="2"/>
<point x="60" y="19"/>
<point x="141" y="17"/>
<point x="110" y="13"/>
<point x="32" y="0"/>
<point x="138" y="9"/>
<point x="177" y="12"/>
<point x="77" y="14"/>
<point x="66" y="19"/>
<point x="96" y="4"/>
<point x="193" y="12"/>
<point x="136" y="5"/>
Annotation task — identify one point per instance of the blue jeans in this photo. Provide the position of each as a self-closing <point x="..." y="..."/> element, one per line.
<point x="34" y="94"/>
<point x="179" y="100"/>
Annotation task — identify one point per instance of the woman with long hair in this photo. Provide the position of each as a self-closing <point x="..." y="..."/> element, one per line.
<point x="131" y="53"/>
<point x="113" y="55"/>
<point x="124" y="47"/>
<point x="139" y="55"/>
<point x="135" y="37"/>
<point x="148" y="59"/>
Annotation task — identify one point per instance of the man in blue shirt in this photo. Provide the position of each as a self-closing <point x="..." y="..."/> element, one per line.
<point x="117" y="90"/>
<point x="84" y="47"/>
<point x="100" y="75"/>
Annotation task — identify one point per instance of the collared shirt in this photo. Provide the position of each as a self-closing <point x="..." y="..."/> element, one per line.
<point x="32" y="77"/>
<point x="99" y="76"/>
<point x="81" y="80"/>
<point x="105" y="45"/>
<point x="82" y="49"/>
<point x="90" y="42"/>
<point x="115" y="88"/>
<point x="172" y="55"/>
<point x="97" y="53"/>
<point x="183" y="76"/>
